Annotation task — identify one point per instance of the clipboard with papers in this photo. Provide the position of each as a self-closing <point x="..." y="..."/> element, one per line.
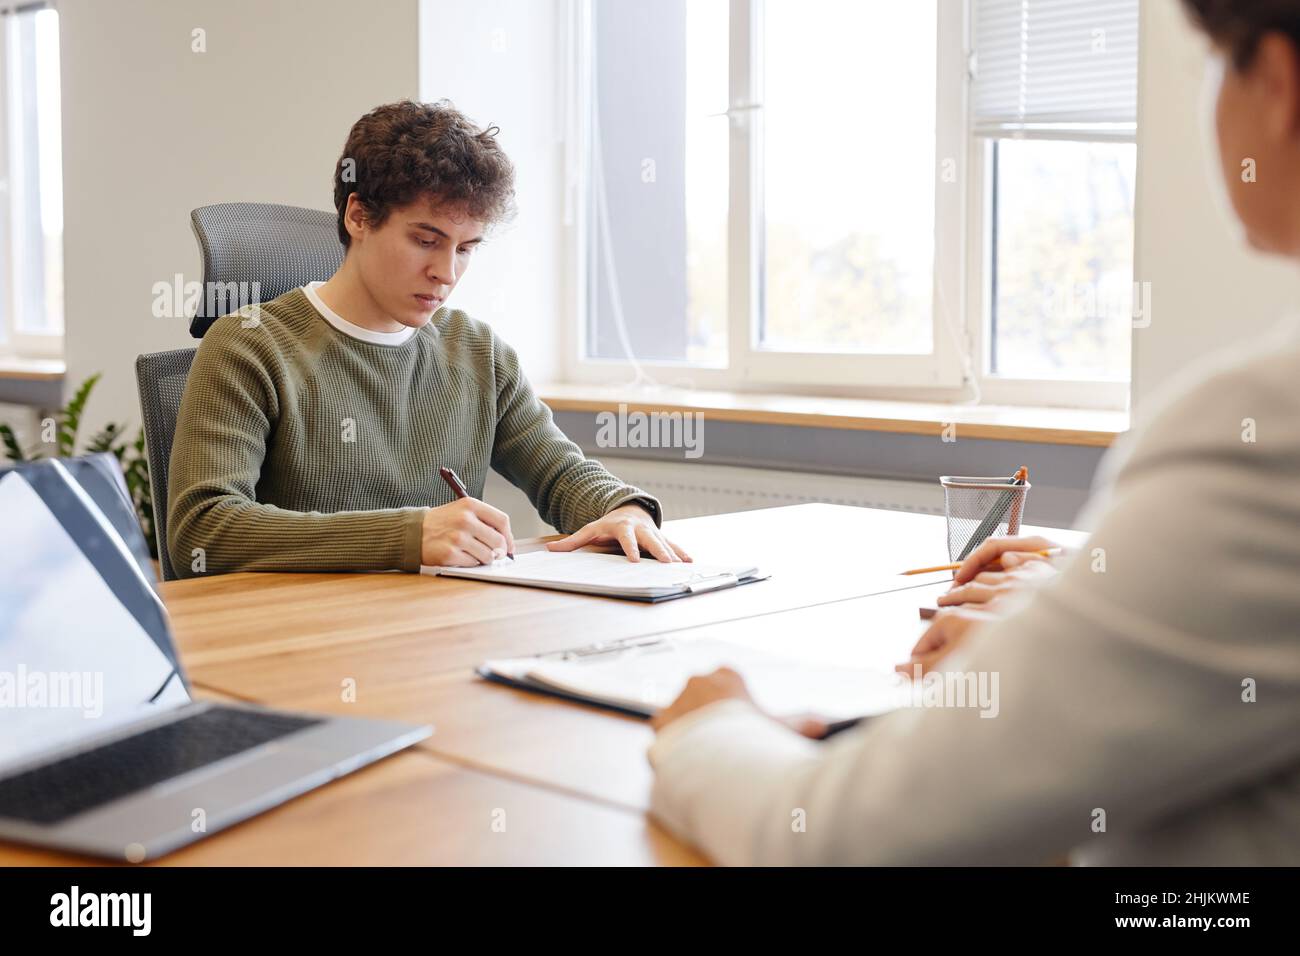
<point x="640" y="676"/>
<point x="608" y="575"/>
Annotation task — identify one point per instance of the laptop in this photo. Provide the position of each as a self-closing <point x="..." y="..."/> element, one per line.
<point x="103" y="749"/>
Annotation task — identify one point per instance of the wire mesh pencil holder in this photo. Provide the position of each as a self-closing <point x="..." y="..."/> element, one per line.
<point x="980" y="508"/>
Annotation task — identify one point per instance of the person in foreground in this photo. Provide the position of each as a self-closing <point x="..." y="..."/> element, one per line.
<point x="1150" y="690"/>
<point x="313" y="426"/>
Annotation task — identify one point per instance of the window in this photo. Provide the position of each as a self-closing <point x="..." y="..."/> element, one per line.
<point x="1062" y="262"/>
<point x="848" y="219"/>
<point x="923" y="199"/>
<point x="1054" y="119"/>
<point x="31" y="184"/>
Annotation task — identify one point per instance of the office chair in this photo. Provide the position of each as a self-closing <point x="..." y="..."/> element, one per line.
<point x="277" y="247"/>
<point x="160" y="377"/>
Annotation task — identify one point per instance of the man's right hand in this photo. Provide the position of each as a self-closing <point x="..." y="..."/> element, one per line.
<point x="465" y="533"/>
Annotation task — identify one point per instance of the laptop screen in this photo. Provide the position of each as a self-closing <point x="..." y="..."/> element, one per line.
<point x="84" y="640"/>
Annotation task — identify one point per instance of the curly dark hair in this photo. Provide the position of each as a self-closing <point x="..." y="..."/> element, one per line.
<point x="1237" y="26"/>
<point x="399" y="152"/>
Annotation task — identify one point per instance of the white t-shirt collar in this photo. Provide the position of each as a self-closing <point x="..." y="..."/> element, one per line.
<point x="399" y="337"/>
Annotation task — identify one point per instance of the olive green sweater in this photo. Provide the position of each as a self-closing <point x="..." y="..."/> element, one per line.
<point x="301" y="448"/>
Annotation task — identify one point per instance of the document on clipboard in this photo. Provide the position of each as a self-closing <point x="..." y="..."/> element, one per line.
<point x="608" y="575"/>
<point x="642" y="675"/>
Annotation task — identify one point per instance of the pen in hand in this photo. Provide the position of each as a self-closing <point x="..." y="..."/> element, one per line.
<point x="458" y="488"/>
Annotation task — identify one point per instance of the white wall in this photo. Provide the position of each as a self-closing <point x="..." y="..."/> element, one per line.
<point x="499" y="61"/>
<point x="1207" y="290"/>
<point x="152" y="130"/>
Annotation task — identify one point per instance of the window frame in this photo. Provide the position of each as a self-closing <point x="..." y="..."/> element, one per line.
<point x="938" y="369"/>
<point x="16" y="343"/>
<point x="1099" y="394"/>
<point x="958" y="368"/>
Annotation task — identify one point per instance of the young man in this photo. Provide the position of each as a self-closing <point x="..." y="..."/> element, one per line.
<point x="1148" y="705"/>
<point x="313" y="426"/>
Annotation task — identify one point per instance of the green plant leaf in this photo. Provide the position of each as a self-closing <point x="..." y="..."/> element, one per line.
<point x="104" y="438"/>
<point x="70" y="417"/>
<point x="13" y="450"/>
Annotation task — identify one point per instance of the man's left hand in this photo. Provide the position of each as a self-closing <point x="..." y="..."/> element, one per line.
<point x="632" y="527"/>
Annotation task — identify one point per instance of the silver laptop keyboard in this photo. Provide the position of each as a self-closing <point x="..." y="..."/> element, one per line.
<point x="56" y="791"/>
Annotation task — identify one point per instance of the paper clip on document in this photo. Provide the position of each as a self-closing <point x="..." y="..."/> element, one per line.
<point x="610" y="647"/>
<point x="700" y="582"/>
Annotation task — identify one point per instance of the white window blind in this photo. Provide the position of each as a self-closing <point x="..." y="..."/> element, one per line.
<point x="1055" y="64"/>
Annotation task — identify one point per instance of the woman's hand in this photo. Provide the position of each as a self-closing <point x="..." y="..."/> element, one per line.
<point x="465" y="533"/>
<point x="700" y="691"/>
<point x="726" y="684"/>
<point x="632" y="527"/>
<point x="998" y="567"/>
<point x="947" y="632"/>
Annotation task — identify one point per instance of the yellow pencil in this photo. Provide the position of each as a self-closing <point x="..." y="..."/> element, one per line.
<point x="1045" y="552"/>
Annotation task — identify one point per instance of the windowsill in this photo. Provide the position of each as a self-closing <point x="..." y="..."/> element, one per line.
<point x="1058" y="426"/>
<point x="31" y="370"/>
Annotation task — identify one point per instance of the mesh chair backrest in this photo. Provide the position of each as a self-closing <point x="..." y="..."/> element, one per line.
<point x="254" y="252"/>
<point x="161" y="377"/>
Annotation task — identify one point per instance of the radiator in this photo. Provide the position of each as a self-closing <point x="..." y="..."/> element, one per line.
<point x="688" y="490"/>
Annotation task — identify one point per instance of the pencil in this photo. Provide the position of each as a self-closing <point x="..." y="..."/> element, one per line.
<point x="991" y="521"/>
<point x="1044" y="552"/>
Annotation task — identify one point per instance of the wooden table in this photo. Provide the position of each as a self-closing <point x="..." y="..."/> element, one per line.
<point x="570" y="783"/>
